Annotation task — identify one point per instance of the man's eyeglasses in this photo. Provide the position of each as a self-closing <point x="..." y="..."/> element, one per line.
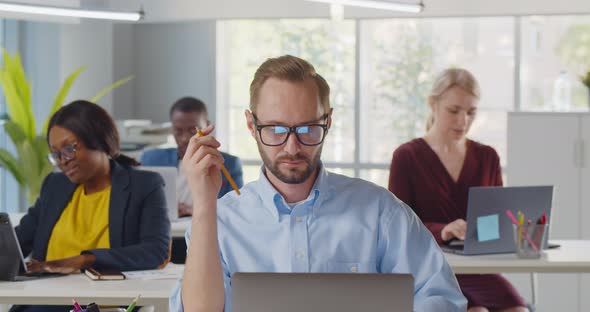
<point x="275" y="135"/>
<point x="67" y="152"/>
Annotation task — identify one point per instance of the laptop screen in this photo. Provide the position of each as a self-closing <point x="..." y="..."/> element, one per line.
<point x="342" y="292"/>
<point x="11" y="261"/>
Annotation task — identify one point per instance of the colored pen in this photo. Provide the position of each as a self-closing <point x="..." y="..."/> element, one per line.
<point x="132" y="305"/>
<point x="77" y="307"/>
<point x="526" y="236"/>
<point x="224" y="170"/>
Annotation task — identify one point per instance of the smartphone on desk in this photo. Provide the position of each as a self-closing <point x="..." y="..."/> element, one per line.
<point x="104" y="274"/>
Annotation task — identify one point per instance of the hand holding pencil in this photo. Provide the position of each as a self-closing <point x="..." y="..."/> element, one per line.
<point x="224" y="170"/>
<point x="202" y="165"/>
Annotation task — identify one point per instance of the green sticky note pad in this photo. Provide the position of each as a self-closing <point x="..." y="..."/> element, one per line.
<point x="488" y="228"/>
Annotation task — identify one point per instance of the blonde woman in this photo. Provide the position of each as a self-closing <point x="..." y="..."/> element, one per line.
<point x="433" y="174"/>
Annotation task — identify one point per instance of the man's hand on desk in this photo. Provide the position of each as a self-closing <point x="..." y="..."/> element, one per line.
<point x="63" y="266"/>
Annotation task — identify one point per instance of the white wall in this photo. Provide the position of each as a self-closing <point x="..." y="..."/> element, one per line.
<point x="169" y="61"/>
<point x="90" y="44"/>
<point x="124" y="64"/>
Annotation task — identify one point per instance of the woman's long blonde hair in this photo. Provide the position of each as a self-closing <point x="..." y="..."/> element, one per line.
<point x="447" y="79"/>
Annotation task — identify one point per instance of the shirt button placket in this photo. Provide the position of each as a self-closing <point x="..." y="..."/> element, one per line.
<point x="299" y="239"/>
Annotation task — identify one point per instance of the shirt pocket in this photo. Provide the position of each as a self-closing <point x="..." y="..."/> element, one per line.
<point x="350" y="267"/>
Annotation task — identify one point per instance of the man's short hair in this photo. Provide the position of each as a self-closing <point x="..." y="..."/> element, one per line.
<point x="188" y="104"/>
<point x="289" y="68"/>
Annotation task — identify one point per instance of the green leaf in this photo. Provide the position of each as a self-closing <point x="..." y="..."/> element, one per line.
<point x="41" y="150"/>
<point x="15" y="132"/>
<point x="22" y="91"/>
<point x="12" y="165"/>
<point x="27" y="160"/>
<point x="60" y="97"/>
<point x="13" y="101"/>
<point x="34" y="186"/>
<point x="108" y="89"/>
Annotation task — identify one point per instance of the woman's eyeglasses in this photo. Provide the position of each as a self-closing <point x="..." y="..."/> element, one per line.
<point x="67" y="153"/>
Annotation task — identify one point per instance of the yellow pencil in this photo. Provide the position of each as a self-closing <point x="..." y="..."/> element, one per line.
<point x="224" y="170"/>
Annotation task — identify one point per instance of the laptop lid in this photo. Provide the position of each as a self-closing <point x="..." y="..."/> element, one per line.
<point x="11" y="258"/>
<point x="489" y="230"/>
<point x="169" y="174"/>
<point x="296" y="292"/>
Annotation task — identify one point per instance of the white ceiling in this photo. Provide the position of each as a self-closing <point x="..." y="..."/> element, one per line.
<point x="175" y="10"/>
<point x="183" y="10"/>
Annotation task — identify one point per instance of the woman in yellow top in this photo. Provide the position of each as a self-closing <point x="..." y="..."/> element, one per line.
<point x="98" y="210"/>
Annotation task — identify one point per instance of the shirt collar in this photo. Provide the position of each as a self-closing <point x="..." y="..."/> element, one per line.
<point x="274" y="201"/>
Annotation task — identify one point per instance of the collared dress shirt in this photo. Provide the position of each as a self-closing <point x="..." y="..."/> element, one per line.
<point x="344" y="225"/>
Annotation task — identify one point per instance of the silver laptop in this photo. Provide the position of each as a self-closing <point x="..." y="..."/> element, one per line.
<point x="297" y="292"/>
<point x="12" y="262"/>
<point x="169" y="174"/>
<point x="486" y="209"/>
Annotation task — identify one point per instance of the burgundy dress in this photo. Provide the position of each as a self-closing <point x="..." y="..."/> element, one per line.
<point x="419" y="178"/>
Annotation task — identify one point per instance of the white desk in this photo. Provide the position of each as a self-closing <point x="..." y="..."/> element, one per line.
<point x="179" y="227"/>
<point x="572" y="257"/>
<point x="61" y="290"/>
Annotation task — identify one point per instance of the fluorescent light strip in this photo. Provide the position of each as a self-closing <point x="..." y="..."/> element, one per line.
<point x="69" y="12"/>
<point x="384" y="5"/>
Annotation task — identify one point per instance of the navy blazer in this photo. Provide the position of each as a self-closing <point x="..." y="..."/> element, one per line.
<point x="139" y="229"/>
<point x="168" y="157"/>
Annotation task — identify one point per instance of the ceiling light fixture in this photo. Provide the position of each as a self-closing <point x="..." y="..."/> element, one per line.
<point x="70" y="12"/>
<point x="378" y="4"/>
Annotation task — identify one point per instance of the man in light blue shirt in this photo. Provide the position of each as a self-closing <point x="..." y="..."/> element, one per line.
<point x="297" y="217"/>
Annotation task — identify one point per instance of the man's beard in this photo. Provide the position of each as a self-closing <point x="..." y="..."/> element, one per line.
<point x="293" y="176"/>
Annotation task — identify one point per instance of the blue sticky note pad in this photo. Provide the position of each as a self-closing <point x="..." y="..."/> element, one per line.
<point x="488" y="228"/>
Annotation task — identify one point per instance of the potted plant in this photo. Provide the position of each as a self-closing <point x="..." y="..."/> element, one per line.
<point x="30" y="165"/>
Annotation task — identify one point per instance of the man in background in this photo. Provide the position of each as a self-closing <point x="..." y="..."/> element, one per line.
<point x="186" y="114"/>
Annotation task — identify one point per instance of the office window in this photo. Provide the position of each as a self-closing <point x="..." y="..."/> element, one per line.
<point x="394" y="68"/>
<point x="555" y="52"/>
<point x="399" y="60"/>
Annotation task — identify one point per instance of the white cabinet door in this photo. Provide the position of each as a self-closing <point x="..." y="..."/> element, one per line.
<point x="585" y="185"/>
<point x="541" y="152"/>
<point x="585" y="207"/>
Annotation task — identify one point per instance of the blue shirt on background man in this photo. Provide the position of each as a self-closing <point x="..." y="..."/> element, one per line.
<point x="345" y="225"/>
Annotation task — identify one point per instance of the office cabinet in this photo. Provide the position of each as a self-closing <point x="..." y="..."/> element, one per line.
<point x="553" y="148"/>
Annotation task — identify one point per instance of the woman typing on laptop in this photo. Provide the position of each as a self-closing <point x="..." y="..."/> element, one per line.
<point x="433" y="174"/>
<point x="98" y="211"/>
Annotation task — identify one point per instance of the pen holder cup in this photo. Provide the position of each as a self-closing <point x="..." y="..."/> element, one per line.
<point x="529" y="239"/>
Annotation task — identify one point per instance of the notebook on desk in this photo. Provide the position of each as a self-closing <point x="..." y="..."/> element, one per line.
<point x="296" y="292"/>
<point x="489" y="230"/>
<point x="12" y="262"/>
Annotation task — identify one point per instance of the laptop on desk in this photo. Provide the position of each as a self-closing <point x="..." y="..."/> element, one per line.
<point x="296" y="292"/>
<point x="169" y="174"/>
<point x="12" y="262"/>
<point x="489" y="230"/>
